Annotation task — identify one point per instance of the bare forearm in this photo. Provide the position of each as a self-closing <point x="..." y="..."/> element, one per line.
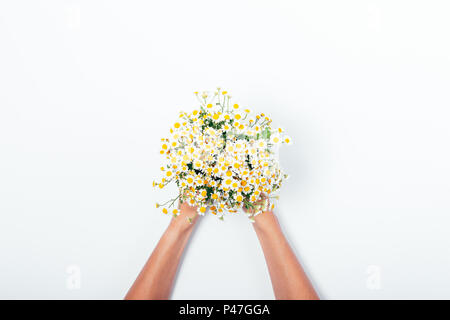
<point x="156" y="278"/>
<point x="289" y="281"/>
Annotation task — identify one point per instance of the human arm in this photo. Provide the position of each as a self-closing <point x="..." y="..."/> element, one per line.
<point x="289" y="281"/>
<point x="156" y="279"/>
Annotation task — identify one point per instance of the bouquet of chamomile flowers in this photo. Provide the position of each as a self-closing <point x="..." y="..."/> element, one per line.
<point x="222" y="158"/>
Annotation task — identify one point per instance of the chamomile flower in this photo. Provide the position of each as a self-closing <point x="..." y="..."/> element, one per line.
<point x="238" y="116"/>
<point x="275" y="139"/>
<point x="198" y="164"/>
<point x="190" y="180"/>
<point x="287" y="140"/>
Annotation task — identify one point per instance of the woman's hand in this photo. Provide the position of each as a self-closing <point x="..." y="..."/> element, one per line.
<point x="262" y="203"/>
<point x="266" y="218"/>
<point x="289" y="281"/>
<point x="156" y="278"/>
<point x="186" y="219"/>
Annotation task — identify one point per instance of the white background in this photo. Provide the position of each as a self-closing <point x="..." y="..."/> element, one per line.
<point x="87" y="89"/>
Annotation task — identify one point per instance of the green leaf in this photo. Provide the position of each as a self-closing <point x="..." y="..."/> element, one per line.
<point x="266" y="133"/>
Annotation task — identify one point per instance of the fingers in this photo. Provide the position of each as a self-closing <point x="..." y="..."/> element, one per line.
<point x="184" y="206"/>
<point x="261" y="205"/>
